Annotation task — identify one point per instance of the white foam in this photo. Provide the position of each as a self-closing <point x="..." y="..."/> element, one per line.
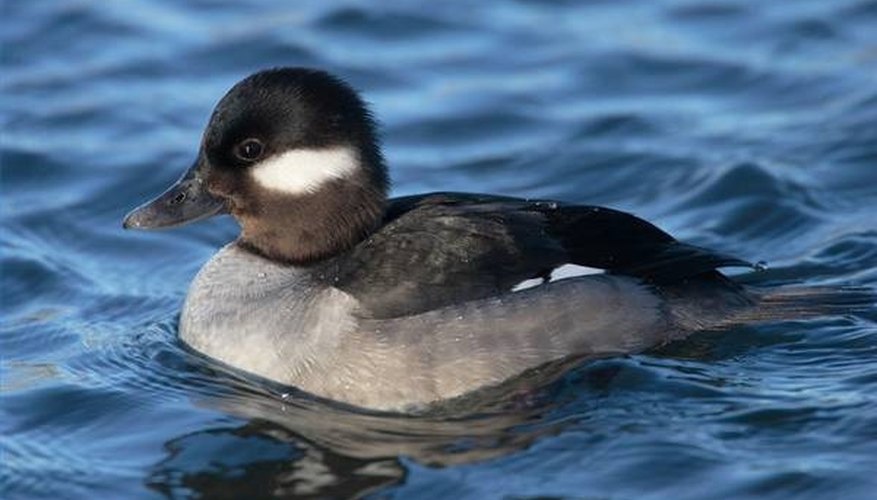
<point x="562" y="272"/>
<point x="303" y="171"/>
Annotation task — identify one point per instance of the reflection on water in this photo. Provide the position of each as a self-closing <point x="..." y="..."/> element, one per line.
<point x="293" y="444"/>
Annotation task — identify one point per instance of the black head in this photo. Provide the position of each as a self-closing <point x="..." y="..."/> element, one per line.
<point x="284" y="109"/>
<point x="293" y="155"/>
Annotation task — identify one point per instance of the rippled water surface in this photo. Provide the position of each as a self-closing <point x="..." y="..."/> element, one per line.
<point x="750" y="127"/>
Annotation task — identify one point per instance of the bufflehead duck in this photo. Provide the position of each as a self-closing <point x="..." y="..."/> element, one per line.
<point x="393" y="304"/>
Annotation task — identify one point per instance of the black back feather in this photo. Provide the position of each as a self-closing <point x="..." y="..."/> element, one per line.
<point x="443" y="248"/>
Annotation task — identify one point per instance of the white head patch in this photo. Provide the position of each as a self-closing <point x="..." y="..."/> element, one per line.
<point x="303" y="171"/>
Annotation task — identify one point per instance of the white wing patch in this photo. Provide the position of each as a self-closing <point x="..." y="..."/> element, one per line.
<point x="303" y="171"/>
<point x="563" y="272"/>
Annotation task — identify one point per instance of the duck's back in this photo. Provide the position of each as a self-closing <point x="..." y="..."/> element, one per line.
<point x="442" y="249"/>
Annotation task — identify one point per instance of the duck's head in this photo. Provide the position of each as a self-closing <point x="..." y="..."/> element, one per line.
<point x="292" y="154"/>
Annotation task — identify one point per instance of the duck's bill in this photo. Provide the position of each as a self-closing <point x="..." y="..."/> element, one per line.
<point x="186" y="201"/>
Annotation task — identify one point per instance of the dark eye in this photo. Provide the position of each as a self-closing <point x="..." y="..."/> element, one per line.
<point x="249" y="149"/>
<point x="176" y="200"/>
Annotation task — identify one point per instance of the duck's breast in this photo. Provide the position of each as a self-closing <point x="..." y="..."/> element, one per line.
<point x="263" y="317"/>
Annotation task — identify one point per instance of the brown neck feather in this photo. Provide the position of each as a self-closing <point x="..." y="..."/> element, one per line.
<point x="306" y="229"/>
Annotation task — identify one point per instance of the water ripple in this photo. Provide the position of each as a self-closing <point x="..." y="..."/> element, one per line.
<point x="741" y="126"/>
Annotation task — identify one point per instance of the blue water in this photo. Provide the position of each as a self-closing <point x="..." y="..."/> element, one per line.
<point x="749" y="127"/>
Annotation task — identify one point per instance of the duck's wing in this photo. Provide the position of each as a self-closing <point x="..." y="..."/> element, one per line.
<point x="444" y="248"/>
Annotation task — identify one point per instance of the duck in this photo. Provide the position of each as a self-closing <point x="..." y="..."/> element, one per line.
<point x="396" y="304"/>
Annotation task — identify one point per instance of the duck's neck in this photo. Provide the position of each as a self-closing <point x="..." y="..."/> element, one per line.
<point x="306" y="229"/>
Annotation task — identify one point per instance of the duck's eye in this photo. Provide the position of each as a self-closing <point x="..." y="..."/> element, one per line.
<point x="249" y="150"/>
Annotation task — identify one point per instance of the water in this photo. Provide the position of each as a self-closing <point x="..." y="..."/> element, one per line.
<point x="750" y="127"/>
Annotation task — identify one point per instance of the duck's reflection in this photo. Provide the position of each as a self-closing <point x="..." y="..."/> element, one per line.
<point x="297" y="446"/>
<point x="261" y="459"/>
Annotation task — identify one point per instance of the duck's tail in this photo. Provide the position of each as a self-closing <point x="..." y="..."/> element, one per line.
<point x="791" y="303"/>
<point x="715" y="302"/>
